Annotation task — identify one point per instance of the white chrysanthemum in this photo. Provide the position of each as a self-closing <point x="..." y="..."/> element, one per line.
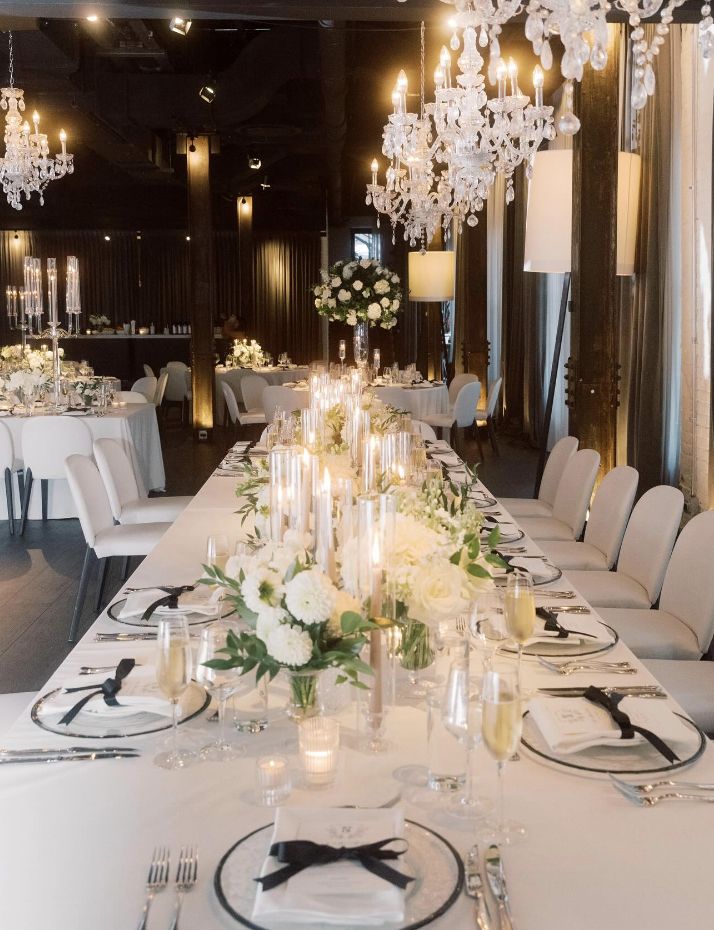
<point x="381" y="286"/>
<point x="262" y="587"/>
<point x="268" y="623"/>
<point x="357" y="285"/>
<point x="343" y="603"/>
<point x="374" y="311"/>
<point x="438" y="591"/>
<point x="310" y="596"/>
<point x="289" y="645"/>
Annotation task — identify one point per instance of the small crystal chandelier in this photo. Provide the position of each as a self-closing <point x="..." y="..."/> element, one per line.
<point x="443" y="162"/>
<point x="27" y="165"/>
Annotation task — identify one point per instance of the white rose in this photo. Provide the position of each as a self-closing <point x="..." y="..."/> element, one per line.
<point x="357" y="285"/>
<point x="381" y="287"/>
<point x="438" y="592"/>
<point x="318" y="304"/>
<point x="395" y="305"/>
<point x="335" y="282"/>
<point x="365" y="263"/>
<point x="351" y="318"/>
<point x="366" y="292"/>
<point x="385" y="302"/>
<point x="343" y="603"/>
<point x="331" y="303"/>
<point x="318" y="291"/>
<point x="310" y="596"/>
<point x="347" y="272"/>
<point x="394" y="279"/>
<point x="343" y="296"/>
<point x="289" y="645"/>
<point x="374" y="311"/>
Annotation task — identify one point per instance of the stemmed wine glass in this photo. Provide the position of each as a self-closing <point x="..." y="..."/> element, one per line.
<point x="461" y="716"/>
<point x="502" y="724"/>
<point x="221" y="683"/>
<point x="342" y="353"/>
<point x="217" y="551"/>
<point x="173" y="675"/>
<point x="519" y="612"/>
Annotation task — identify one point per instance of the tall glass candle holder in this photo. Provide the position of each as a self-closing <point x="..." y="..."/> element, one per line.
<point x="281" y="491"/>
<point x="324" y="528"/>
<point x="319" y="744"/>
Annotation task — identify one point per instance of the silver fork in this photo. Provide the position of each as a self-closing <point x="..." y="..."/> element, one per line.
<point x="650" y="800"/>
<point x="568" y="668"/>
<point x="655" y="786"/>
<point x="461" y="624"/>
<point x="156" y="880"/>
<point x="96" y="669"/>
<point x="186" y="875"/>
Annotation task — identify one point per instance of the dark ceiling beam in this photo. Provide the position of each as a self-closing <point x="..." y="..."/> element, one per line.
<point x="333" y="76"/>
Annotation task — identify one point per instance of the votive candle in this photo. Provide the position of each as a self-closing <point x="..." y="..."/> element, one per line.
<point x="272" y="780"/>
<point x="319" y="743"/>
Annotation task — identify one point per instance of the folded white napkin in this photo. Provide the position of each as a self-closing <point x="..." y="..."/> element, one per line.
<point x="539" y="569"/>
<point x="441" y="445"/>
<point x="341" y="892"/>
<point x="448" y="458"/>
<point x="572" y="724"/>
<point x="139" y="691"/>
<point x="507" y="529"/>
<point x="202" y="600"/>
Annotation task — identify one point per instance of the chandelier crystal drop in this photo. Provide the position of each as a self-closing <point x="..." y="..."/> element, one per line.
<point x="27" y="165"/>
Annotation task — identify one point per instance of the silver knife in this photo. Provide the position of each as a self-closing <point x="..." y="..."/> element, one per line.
<point x="497" y="883"/>
<point x="474" y="889"/>
<point x="67" y="750"/>
<point x="122" y="637"/>
<point x="67" y="757"/>
<point x="652" y="691"/>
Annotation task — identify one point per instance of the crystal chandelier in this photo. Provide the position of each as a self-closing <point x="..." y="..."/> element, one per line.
<point x="444" y="161"/>
<point x="27" y="165"/>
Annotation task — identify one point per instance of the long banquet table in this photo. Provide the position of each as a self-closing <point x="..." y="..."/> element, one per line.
<point x="77" y="839"/>
<point x="135" y="426"/>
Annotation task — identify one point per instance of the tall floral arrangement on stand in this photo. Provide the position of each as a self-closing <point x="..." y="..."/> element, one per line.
<point x="359" y="292"/>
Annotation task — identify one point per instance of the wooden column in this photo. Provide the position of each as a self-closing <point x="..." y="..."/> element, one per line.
<point x="246" y="310"/>
<point x="202" y="284"/>
<point x="471" y="330"/>
<point x="594" y="343"/>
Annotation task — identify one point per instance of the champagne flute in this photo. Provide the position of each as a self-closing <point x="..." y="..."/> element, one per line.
<point x="461" y="716"/>
<point x="217" y="551"/>
<point x="173" y="675"/>
<point x="501" y="725"/>
<point x="519" y="611"/>
<point x="221" y="684"/>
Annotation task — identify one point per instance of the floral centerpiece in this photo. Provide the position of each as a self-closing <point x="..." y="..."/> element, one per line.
<point x="247" y="354"/>
<point x="297" y="620"/>
<point x="98" y="322"/>
<point x="359" y="292"/>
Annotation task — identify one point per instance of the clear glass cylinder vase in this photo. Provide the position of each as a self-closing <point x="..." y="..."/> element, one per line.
<point x="304" y="700"/>
<point x="360" y="344"/>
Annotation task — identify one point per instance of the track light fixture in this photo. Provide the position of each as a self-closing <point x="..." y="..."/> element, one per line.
<point x="265" y="183"/>
<point x="180" y="26"/>
<point x="207" y="93"/>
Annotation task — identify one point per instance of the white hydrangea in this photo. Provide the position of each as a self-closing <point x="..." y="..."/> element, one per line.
<point x="331" y="303"/>
<point x="310" y="596"/>
<point x="381" y="286"/>
<point x="289" y="645"/>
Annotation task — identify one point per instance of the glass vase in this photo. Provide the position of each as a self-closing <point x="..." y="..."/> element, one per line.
<point x="360" y="344"/>
<point x="304" y="700"/>
<point x="416" y="655"/>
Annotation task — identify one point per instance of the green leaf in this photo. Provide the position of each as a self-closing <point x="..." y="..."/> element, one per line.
<point x="478" y="571"/>
<point x="456" y="558"/>
<point x="350" y="622"/>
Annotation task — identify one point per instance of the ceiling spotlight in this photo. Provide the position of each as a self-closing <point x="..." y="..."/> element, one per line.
<point x="138" y="236"/>
<point x="255" y="163"/>
<point x="188" y="238"/>
<point x="207" y="93"/>
<point x="92" y="18"/>
<point x="265" y="183"/>
<point x="180" y="26"/>
<point x="107" y="238"/>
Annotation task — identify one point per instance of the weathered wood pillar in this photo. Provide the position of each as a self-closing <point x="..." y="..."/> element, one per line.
<point x="471" y="330"/>
<point x="202" y="284"/>
<point x="595" y="306"/>
<point x="246" y="284"/>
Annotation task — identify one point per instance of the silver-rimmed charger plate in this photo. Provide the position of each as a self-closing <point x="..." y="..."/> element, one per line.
<point x="547" y="573"/>
<point x="87" y="725"/>
<point x="482" y="500"/>
<point x="432" y="860"/>
<point x="626" y="758"/>
<point x="504" y="538"/>
<point x="562" y="647"/>
<point x="153" y="621"/>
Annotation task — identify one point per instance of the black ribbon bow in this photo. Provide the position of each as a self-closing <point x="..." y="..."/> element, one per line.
<point x="627" y="727"/>
<point x="109" y="688"/>
<point x="170" y="599"/>
<point x="551" y="624"/>
<point x="300" y="854"/>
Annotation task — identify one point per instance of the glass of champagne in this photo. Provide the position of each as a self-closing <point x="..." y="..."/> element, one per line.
<point x="502" y="723"/>
<point x="461" y="716"/>
<point x="519" y="611"/>
<point x="220" y="684"/>
<point x="217" y="551"/>
<point x="174" y="664"/>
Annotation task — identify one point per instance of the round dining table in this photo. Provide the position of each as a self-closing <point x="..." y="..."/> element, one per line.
<point x="234" y="376"/>
<point x="420" y="400"/>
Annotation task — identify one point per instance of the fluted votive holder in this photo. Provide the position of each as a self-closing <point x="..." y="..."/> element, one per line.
<point x="319" y="744"/>
<point x="272" y="780"/>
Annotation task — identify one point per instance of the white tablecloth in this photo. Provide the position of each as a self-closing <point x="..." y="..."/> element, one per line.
<point x="422" y="401"/>
<point x="77" y="839"/>
<point x="234" y="376"/>
<point x="135" y="426"/>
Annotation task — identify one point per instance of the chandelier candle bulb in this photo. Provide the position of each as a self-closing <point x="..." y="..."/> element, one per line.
<point x="375" y="168"/>
<point x="513" y="77"/>
<point x="538" y="85"/>
<point x="63" y="142"/>
<point x="52" y="290"/>
<point x="501" y="73"/>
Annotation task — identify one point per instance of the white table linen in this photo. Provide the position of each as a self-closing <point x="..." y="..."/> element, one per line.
<point x="423" y="401"/>
<point x="78" y="837"/>
<point x="134" y="426"/>
<point x="234" y="376"/>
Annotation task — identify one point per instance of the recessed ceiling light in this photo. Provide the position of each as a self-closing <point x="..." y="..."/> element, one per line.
<point x="107" y="238"/>
<point x="207" y="93"/>
<point x="92" y="18"/>
<point x="188" y="238"/>
<point x="179" y="25"/>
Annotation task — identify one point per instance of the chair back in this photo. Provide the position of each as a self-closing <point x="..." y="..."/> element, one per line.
<point x="7" y="449"/>
<point x="277" y="395"/>
<point x="252" y="387"/>
<point x="611" y="510"/>
<point x="493" y="393"/>
<point x="650" y="536"/>
<point x="394" y="396"/>
<point x="553" y="471"/>
<point x="176" y="384"/>
<point x="188" y="383"/>
<point x="231" y="402"/>
<point x="147" y="387"/>
<point x="90" y="497"/>
<point x="117" y="474"/>
<point x="48" y="441"/>
<point x="131" y="397"/>
<point x="149" y="371"/>
<point x="572" y="498"/>
<point x="457" y="383"/>
<point x="466" y="401"/>
<point x="424" y="430"/>
<point x="161" y="388"/>
<point x="692" y="603"/>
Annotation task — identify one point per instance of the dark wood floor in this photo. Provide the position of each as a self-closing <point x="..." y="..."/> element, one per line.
<point x="39" y="573"/>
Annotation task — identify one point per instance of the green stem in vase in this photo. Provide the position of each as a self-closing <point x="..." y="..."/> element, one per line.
<point x="416" y="652"/>
<point x="304" y="690"/>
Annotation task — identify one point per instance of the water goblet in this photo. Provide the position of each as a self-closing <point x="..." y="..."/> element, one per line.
<point x="221" y="683"/>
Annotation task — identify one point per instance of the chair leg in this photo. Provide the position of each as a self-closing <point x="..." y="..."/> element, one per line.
<point x="27" y="491"/>
<point x="21" y="483"/>
<point x="81" y="594"/>
<point x="103" y="564"/>
<point x="10" y="504"/>
<point x="44" y="488"/>
<point x="492" y="435"/>
<point x="478" y="440"/>
<point x="125" y="568"/>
